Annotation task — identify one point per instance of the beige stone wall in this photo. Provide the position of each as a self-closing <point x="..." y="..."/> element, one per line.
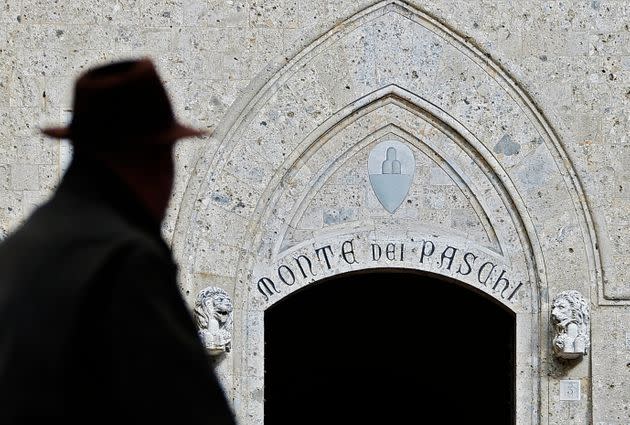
<point x="572" y="58"/>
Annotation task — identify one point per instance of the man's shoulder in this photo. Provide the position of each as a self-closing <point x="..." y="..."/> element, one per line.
<point x="76" y="233"/>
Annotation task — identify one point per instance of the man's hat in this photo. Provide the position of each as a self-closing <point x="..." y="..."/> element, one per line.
<point x="122" y="104"/>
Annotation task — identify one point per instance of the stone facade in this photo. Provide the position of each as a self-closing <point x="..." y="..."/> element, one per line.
<point x="515" y="113"/>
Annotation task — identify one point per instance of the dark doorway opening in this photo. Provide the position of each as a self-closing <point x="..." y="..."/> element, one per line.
<point x="389" y="347"/>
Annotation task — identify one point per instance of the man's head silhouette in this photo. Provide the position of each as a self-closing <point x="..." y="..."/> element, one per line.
<point x="123" y="118"/>
<point x="119" y="106"/>
<point x="96" y="246"/>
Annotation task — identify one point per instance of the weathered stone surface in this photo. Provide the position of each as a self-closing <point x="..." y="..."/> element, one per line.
<point x="516" y="114"/>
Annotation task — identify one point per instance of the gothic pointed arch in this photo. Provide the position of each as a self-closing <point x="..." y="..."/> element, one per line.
<point x="282" y="196"/>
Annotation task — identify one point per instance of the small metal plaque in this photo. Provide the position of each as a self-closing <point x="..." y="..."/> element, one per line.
<point x="570" y="390"/>
<point x="391" y="166"/>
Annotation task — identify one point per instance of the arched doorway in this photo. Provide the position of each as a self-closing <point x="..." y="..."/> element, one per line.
<point x="363" y="347"/>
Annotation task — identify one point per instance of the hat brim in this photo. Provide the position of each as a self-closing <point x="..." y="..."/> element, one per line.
<point x="170" y="135"/>
<point x="57" y="132"/>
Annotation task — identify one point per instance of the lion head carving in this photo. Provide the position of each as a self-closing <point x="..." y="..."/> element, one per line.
<point x="570" y="319"/>
<point x="213" y="311"/>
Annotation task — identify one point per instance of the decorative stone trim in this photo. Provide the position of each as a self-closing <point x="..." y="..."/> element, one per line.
<point x="282" y="199"/>
<point x="213" y="311"/>
<point x="570" y="319"/>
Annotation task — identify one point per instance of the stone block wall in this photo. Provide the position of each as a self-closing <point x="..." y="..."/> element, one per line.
<point x="571" y="58"/>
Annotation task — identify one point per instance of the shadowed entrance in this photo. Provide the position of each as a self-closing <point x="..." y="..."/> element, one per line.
<point x="362" y="347"/>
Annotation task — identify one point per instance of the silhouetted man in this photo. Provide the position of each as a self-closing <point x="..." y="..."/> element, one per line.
<point x="93" y="328"/>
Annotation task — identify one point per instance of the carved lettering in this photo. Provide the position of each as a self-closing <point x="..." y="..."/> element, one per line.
<point x="325" y="254"/>
<point x="468" y="264"/>
<point x="348" y="252"/>
<point x="505" y="282"/>
<point x="390" y="251"/>
<point x="513" y="292"/>
<point x="424" y="252"/>
<point x="282" y="278"/>
<point x="308" y="262"/>
<point x="376" y="252"/>
<point x="264" y="284"/>
<point x="452" y="260"/>
<point x="448" y="257"/>
<point x="481" y="269"/>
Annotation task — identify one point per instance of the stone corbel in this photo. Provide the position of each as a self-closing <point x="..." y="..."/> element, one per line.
<point x="570" y="319"/>
<point x="213" y="312"/>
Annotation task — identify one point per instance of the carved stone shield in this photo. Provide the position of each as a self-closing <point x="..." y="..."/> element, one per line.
<point x="391" y="166"/>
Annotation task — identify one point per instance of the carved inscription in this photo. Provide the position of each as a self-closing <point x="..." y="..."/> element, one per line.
<point x="425" y="254"/>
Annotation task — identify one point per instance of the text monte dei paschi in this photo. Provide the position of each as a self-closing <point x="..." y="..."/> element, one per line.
<point x="426" y="254"/>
